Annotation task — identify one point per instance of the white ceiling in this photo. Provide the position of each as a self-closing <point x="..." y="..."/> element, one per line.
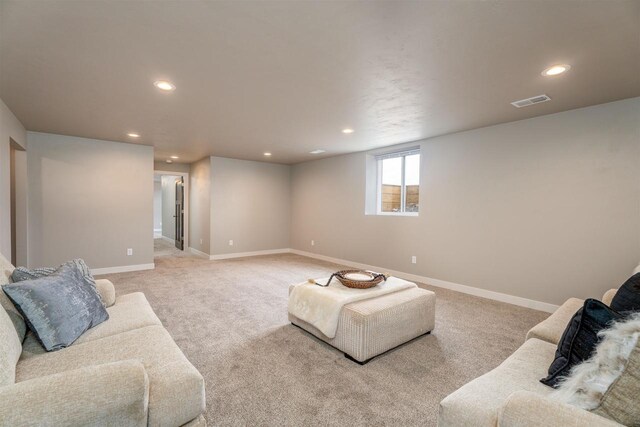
<point x="286" y="77"/>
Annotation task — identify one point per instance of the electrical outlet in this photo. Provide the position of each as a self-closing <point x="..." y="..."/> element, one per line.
<point x="230" y="242"/>
<point x="313" y="243"/>
<point x="200" y="241"/>
<point x="129" y="251"/>
<point x="413" y="259"/>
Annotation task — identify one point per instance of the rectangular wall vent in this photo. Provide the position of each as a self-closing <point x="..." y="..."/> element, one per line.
<point x="530" y="101"/>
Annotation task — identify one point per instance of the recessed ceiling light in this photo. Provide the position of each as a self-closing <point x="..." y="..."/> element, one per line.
<point x="169" y="161"/>
<point x="174" y="157"/>
<point x="316" y="152"/>
<point x="134" y="135"/>
<point x="347" y="130"/>
<point x="267" y="154"/>
<point x="556" y="69"/>
<point x="164" y="85"/>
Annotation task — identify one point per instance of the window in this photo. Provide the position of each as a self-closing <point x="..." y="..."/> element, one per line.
<point x="399" y="183"/>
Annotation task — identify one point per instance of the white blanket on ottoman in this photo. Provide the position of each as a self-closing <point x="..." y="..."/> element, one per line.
<point x="321" y="306"/>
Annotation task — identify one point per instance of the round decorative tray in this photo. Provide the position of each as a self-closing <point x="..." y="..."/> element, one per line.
<point x="359" y="279"/>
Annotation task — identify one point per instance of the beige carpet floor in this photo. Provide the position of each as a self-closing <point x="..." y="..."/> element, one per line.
<point x="230" y="320"/>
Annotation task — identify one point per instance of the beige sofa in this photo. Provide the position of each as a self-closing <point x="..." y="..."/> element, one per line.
<point x="511" y="395"/>
<point x="127" y="371"/>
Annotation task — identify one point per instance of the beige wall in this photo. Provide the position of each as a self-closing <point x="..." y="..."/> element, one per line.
<point x="169" y="205"/>
<point x="250" y="204"/>
<point x="171" y="167"/>
<point x="545" y="208"/>
<point x="90" y="199"/>
<point x="11" y="129"/>
<point x="200" y="205"/>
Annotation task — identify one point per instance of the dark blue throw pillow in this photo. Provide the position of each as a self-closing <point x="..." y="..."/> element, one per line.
<point x="580" y="338"/>
<point x="628" y="296"/>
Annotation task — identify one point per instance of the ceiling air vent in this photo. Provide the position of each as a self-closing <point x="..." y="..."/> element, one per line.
<point x="530" y="101"/>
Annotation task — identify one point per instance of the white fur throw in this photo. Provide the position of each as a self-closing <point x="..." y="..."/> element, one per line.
<point x="321" y="306"/>
<point x="588" y="382"/>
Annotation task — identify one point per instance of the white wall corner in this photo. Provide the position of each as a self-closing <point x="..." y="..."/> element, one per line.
<point x="198" y="253"/>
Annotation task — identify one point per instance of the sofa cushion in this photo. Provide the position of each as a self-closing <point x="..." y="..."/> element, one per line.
<point x="6" y="269"/>
<point x="628" y="296"/>
<point x="609" y="382"/>
<point x="10" y="349"/>
<point x="620" y="401"/>
<point x="176" y="388"/>
<point x="113" y="394"/>
<point x="107" y="291"/>
<point x="552" y="328"/>
<point x="59" y="307"/>
<point x="580" y="338"/>
<point x="477" y="403"/>
<point x="131" y="311"/>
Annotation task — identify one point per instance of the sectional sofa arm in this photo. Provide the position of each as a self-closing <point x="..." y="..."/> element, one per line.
<point x="107" y="291"/>
<point x="109" y="394"/>
<point x="524" y="408"/>
<point x="608" y="296"/>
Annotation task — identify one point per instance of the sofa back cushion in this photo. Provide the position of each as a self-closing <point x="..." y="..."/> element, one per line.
<point x="6" y="269"/>
<point x="620" y="402"/>
<point x="10" y="349"/>
<point x="627" y="299"/>
<point x="609" y="382"/>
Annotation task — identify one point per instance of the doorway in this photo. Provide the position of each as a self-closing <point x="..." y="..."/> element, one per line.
<point x="170" y="212"/>
<point x="18" y="203"/>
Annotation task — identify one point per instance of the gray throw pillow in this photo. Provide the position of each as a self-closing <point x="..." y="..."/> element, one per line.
<point x="20" y="274"/>
<point x="58" y="307"/>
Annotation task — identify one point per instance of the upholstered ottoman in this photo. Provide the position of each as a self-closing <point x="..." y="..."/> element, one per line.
<point x="370" y="327"/>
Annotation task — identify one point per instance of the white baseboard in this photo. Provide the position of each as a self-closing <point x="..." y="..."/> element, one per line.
<point x="166" y="239"/>
<point x="483" y="293"/>
<point x="198" y="253"/>
<point x="122" y="269"/>
<point x="247" y="254"/>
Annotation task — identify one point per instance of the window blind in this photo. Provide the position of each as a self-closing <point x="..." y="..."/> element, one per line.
<point x="407" y="152"/>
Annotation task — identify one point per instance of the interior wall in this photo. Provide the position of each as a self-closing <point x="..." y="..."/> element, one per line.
<point x="250" y="204"/>
<point x="171" y="167"/>
<point x="10" y="129"/>
<point x="169" y="206"/>
<point x="157" y="208"/>
<point x="200" y="206"/>
<point x="89" y="199"/>
<point x="545" y="208"/>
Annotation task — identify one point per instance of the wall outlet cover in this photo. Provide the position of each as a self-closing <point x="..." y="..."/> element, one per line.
<point x="230" y="242"/>
<point x="313" y="243"/>
<point x="413" y="259"/>
<point x="129" y="251"/>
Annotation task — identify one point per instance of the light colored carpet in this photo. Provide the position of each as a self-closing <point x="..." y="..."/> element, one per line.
<point x="230" y="319"/>
<point x="164" y="248"/>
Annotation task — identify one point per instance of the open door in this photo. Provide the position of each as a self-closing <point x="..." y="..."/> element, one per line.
<point x="179" y="215"/>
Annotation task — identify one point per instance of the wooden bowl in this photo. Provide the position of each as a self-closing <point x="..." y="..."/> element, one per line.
<point x="359" y="279"/>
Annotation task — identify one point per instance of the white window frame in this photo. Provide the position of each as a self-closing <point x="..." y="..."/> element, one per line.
<point x="403" y="189"/>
